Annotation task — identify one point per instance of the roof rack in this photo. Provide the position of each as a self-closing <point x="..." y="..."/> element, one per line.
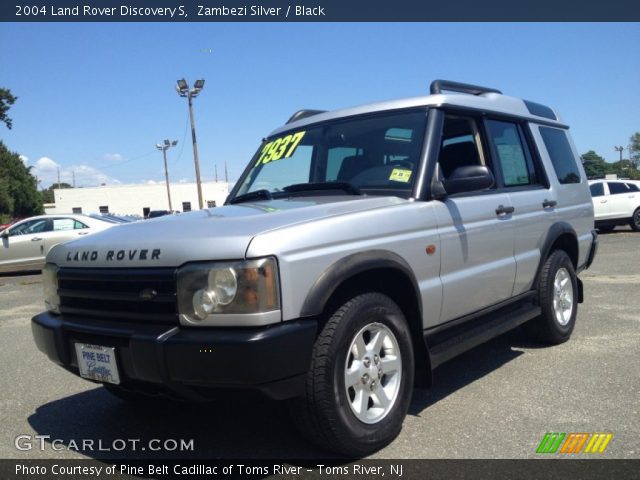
<point x="300" y="114"/>
<point x="437" y="86"/>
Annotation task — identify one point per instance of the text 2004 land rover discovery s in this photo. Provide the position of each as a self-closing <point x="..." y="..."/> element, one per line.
<point x="360" y="249"/>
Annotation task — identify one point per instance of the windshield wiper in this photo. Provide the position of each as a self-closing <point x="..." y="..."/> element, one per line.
<point x="311" y="187"/>
<point x="262" y="194"/>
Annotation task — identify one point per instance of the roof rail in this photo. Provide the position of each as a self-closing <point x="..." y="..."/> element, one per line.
<point x="437" y="86"/>
<point x="300" y="114"/>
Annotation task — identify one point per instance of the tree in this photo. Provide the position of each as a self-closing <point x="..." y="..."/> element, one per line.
<point x="19" y="184"/>
<point x="634" y="150"/>
<point x="6" y="100"/>
<point x="47" y="193"/>
<point x="594" y="165"/>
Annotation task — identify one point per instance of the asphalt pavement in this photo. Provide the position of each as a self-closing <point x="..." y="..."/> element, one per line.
<point x="495" y="401"/>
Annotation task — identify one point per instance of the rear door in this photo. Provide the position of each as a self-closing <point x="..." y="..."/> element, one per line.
<point x="622" y="200"/>
<point x="476" y="229"/>
<point x="64" y="229"/>
<point x="520" y="175"/>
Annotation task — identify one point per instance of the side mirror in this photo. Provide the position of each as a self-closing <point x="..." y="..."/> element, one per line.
<point x="5" y="234"/>
<point x="469" y="178"/>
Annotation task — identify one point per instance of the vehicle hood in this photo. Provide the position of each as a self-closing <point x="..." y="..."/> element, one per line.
<point x="221" y="233"/>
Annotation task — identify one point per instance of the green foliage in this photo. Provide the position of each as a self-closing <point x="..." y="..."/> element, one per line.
<point x="634" y="149"/>
<point x="47" y="193"/>
<point x="594" y="165"/>
<point x="18" y="193"/>
<point x="6" y="100"/>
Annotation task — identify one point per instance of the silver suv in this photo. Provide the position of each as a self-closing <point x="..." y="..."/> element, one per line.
<point x="359" y="250"/>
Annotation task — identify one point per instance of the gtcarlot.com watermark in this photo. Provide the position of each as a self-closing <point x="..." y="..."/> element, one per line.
<point x="26" y="443"/>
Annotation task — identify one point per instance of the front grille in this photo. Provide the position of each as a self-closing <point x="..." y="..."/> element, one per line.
<point x="134" y="293"/>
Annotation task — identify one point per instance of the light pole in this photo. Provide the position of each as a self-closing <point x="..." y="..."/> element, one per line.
<point x="164" y="147"/>
<point x="620" y="149"/>
<point x="182" y="87"/>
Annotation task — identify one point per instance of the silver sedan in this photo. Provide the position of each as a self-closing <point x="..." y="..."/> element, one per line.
<point x="25" y="244"/>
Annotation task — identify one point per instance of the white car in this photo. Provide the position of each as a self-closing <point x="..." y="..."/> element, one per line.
<point x="26" y="243"/>
<point x="615" y="202"/>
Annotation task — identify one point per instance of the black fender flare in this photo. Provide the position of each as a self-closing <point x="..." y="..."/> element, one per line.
<point x="555" y="231"/>
<point x="349" y="266"/>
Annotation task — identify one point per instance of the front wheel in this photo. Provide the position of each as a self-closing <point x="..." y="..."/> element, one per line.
<point x="558" y="298"/>
<point x="360" y="382"/>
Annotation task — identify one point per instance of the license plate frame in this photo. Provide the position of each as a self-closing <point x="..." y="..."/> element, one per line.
<point x="97" y="363"/>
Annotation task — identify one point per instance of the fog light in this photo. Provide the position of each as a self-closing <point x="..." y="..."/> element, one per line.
<point x="204" y="302"/>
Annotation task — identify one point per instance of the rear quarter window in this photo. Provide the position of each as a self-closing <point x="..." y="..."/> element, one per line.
<point x="561" y="154"/>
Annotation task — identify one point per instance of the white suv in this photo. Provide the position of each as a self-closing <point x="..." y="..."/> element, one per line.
<point x="615" y="202"/>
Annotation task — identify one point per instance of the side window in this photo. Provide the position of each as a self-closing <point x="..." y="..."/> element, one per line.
<point x="512" y="155"/>
<point x="22" y="229"/>
<point x="62" y="224"/>
<point x="78" y="225"/>
<point x="564" y="163"/>
<point x="617" y="187"/>
<point x="632" y="187"/>
<point x="597" y="189"/>
<point x="460" y="144"/>
<point x="39" y="226"/>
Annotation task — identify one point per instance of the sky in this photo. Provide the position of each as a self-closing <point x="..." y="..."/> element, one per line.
<point x="95" y="98"/>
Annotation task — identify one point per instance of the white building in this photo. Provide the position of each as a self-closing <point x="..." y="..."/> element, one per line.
<point x="137" y="199"/>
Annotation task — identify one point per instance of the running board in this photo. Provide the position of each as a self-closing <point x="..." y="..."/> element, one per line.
<point x="446" y="344"/>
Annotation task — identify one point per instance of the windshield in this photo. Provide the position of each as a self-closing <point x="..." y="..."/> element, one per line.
<point x="374" y="155"/>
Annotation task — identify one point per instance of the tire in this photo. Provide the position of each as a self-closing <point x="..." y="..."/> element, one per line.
<point x="360" y="381"/>
<point x="557" y="296"/>
<point x="635" y="221"/>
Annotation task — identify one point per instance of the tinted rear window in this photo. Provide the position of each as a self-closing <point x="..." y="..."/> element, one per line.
<point x="561" y="155"/>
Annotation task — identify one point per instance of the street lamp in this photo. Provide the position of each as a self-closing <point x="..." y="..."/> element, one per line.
<point x="620" y="149"/>
<point x="164" y="147"/>
<point x="182" y="87"/>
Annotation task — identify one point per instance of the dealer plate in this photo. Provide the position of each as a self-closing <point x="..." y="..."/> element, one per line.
<point x="97" y="363"/>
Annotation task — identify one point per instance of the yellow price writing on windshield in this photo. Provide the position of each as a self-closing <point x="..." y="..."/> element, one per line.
<point x="280" y="148"/>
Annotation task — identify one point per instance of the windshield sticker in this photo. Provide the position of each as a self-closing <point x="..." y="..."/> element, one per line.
<point x="400" y="175"/>
<point x="279" y="148"/>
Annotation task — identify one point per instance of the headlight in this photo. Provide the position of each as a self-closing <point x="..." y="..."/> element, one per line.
<point x="50" y="287"/>
<point x="229" y="293"/>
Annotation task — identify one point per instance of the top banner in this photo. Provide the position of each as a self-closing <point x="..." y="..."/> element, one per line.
<point x="320" y="11"/>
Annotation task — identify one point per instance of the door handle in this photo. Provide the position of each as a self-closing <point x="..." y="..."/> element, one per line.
<point x="36" y="239"/>
<point x="83" y="233"/>
<point x="549" y="203"/>
<point x="603" y="201"/>
<point x="502" y="210"/>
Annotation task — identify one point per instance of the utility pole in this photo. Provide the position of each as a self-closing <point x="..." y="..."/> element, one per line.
<point x="216" y="169"/>
<point x="619" y="150"/>
<point x="226" y="175"/>
<point x="58" y="177"/>
<point x="183" y="90"/>
<point x="73" y="173"/>
<point x="164" y="147"/>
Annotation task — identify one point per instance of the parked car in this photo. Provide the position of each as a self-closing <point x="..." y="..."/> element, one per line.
<point x="615" y="202"/>
<point x="26" y="243"/>
<point x="360" y="249"/>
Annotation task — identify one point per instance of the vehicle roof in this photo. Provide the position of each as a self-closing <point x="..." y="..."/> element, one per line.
<point x="487" y="102"/>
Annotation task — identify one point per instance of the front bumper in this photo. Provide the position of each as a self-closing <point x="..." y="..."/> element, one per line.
<point x="191" y="363"/>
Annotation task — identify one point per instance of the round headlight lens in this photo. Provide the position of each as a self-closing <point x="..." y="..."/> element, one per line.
<point x="225" y="284"/>
<point x="204" y="303"/>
